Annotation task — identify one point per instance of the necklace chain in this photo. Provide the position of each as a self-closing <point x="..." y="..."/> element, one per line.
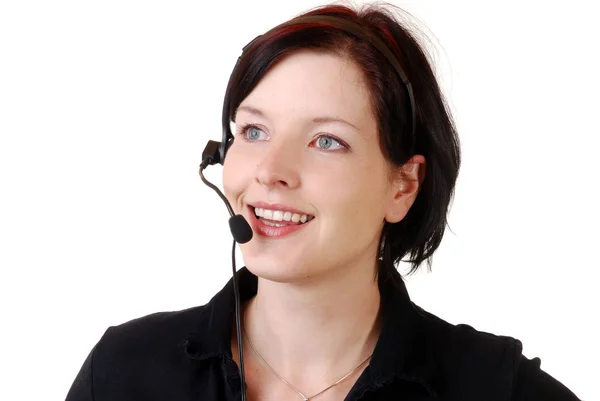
<point x="304" y="398"/>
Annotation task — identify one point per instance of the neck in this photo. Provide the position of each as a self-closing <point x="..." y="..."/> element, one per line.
<point x="325" y="327"/>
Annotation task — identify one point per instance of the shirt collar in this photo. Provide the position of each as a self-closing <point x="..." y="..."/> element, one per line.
<point x="404" y="348"/>
<point x="402" y="351"/>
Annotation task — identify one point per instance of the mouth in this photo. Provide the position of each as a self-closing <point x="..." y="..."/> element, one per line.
<point x="280" y="218"/>
<point x="277" y="223"/>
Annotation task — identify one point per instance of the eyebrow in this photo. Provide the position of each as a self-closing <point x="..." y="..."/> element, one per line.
<point x="321" y="120"/>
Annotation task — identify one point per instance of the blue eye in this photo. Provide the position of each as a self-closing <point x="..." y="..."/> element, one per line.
<point x="326" y="142"/>
<point x="252" y="133"/>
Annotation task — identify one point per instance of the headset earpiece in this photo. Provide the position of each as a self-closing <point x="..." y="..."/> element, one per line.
<point x="224" y="148"/>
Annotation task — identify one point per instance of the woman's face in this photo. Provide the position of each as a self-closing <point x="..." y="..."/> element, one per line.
<point x="306" y="143"/>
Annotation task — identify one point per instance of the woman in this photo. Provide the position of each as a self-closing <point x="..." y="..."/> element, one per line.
<point x="344" y="161"/>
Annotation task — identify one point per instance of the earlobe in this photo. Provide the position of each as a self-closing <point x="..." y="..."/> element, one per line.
<point x="407" y="183"/>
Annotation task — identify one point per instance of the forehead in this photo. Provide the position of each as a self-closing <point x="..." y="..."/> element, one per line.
<point x="308" y="84"/>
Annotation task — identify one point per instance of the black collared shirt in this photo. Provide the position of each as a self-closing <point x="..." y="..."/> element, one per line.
<point x="186" y="356"/>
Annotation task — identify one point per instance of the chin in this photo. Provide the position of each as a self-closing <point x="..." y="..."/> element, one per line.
<point x="274" y="262"/>
<point x="280" y="271"/>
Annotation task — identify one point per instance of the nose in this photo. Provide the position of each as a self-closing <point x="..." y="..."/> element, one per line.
<point x="279" y="166"/>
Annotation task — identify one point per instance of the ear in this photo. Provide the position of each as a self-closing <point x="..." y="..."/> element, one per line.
<point x="405" y="185"/>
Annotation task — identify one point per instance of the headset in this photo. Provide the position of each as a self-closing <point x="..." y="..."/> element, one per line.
<point x="215" y="152"/>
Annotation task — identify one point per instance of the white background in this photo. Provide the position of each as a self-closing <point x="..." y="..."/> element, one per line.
<point x="105" y="108"/>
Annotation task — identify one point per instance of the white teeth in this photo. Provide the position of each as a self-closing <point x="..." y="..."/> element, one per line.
<point x="279" y="215"/>
<point x="270" y="223"/>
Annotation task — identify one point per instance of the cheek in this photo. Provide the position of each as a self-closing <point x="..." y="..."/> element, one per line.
<point x="228" y="177"/>
<point x="233" y="174"/>
<point x="358" y="191"/>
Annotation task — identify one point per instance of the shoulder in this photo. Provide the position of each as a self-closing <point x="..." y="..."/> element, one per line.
<point x="475" y="363"/>
<point x="160" y="324"/>
<point x="532" y="383"/>
<point x="143" y="356"/>
<point x="152" y="330"/>
<point x="463" y="343"/>
<point x="148" y="344"/>
<point x="470" y="362"/>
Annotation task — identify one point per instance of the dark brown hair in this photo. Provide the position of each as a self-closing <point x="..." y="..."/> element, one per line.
<point x="420" y="232"/>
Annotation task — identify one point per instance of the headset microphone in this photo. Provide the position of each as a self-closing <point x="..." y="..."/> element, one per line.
<point x="214" y="153"/>
<point x="240" y="229"/>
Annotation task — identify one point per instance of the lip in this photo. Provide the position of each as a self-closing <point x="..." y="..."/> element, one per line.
<point x="263" y="230"/>
<point x="277" y="206"/>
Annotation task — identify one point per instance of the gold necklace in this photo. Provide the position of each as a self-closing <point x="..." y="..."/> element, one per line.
<point x="304" y="398"/>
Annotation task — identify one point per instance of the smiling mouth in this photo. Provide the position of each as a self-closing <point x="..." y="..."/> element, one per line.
<point x="280" y="218"/>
